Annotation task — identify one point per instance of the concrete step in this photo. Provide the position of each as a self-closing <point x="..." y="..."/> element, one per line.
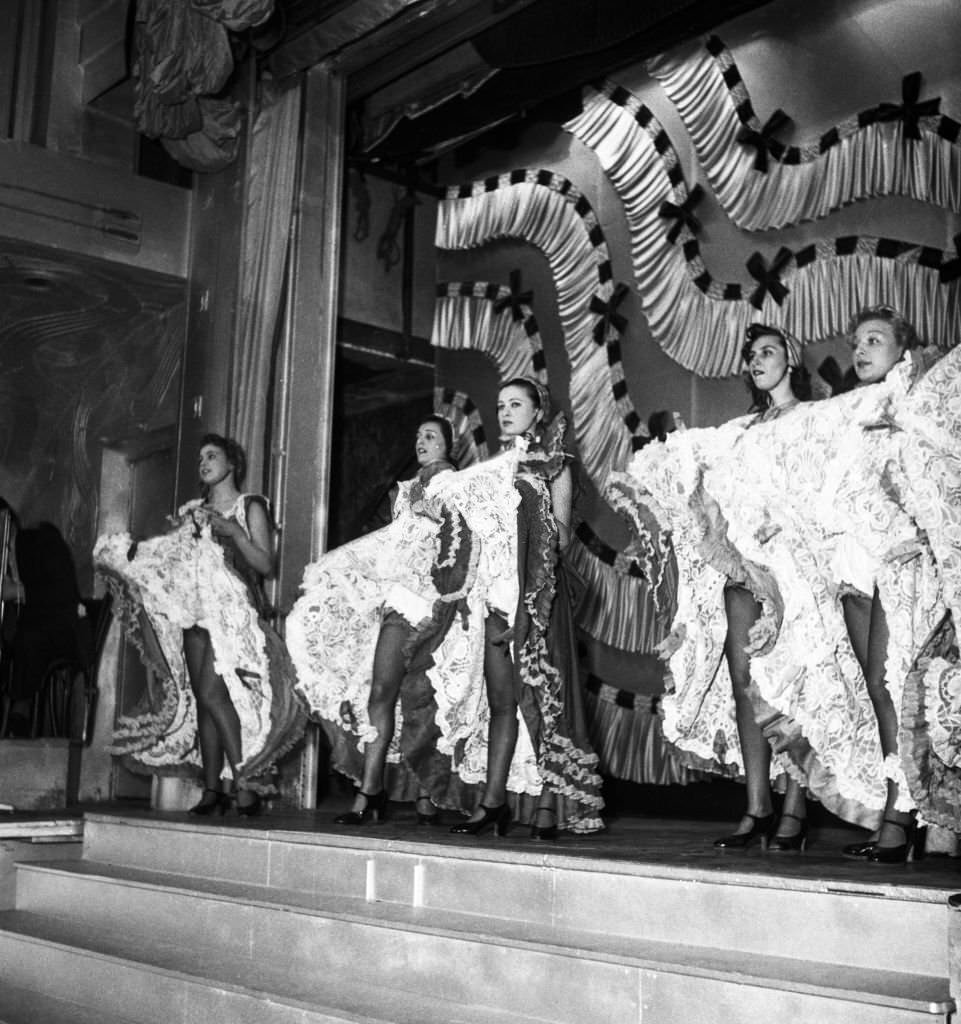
<point x="550" y="969"/>
<point x="902" y="929"/>
<point x="151" y="981"/>
<point x="25" y="1006"/>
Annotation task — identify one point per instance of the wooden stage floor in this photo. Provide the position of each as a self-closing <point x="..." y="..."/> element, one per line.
<point x="666" y="845"/>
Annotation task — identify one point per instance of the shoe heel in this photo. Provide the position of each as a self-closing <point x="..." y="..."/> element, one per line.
<point x="916" y="848"/>
<point x="375" y="809"/>
<point x="212" y="802"/>
<point x="760" y="829"/>
<point x="498" y="818"/>
<point x="252" y="809"/>
<point x="795" y="843"/>
<point x="503" y="823"/>
<point x="910" y="850"/>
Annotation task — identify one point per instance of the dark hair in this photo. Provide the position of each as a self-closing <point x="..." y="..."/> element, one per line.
<point x="798" y="376"/>
<point x="904" y="333"/>
<point x="446" y="429"/>
<point x="233" y="451"/>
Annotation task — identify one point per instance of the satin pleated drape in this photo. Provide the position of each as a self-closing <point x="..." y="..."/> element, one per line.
<point x="869" y="160"/>
<point x="269" y="211"/>
<point x="471" y="322"/>
<point x="549" y="219"/>
<point x="699" y="328"/>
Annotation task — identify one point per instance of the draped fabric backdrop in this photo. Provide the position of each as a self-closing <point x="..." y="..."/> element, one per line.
<point x="268" y="214"/>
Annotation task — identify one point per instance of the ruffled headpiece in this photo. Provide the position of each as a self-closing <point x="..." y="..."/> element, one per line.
<point x="792" y="346"/>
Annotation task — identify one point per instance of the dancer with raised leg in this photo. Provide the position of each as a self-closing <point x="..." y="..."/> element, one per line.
<point x="778" y="381"/>
<point x="433" y="447"/>
<point x="364" y="609"/>
<point x="193" y="602"/>
<point x="532" y="665"/>
<point x="879" y="338"/>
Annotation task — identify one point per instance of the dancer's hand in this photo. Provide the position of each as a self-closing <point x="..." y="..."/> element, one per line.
<point x="221" y="526"/>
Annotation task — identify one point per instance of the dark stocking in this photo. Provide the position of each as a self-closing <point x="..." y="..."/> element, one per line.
<point x="502" y="739"/>
<point x="388" y="674"/>
<point x="867" y="627"/>
<point x="742" y="612"/>
<point x="218" y="726"/>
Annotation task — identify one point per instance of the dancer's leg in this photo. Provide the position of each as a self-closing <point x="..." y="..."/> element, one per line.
<point x="742" y="612"/>
<point x="868" y="630"/>
<point x="218" y="724"/>
<point x="388" y="674"/>
<point x="793" y="810"/>
<point x="502" y="739"/>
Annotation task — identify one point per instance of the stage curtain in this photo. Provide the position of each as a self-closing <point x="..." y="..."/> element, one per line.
<point x="182" y="64"/>
<point x="270" y="197"/>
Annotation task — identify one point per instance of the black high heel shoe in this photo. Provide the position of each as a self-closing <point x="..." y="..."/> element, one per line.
<point x="548" y="832"/>
<point x="375" y="808"/>
<point x="253" y="807"/>
<point x="760" y="829"/>
<point x="911" y="849"/>
<point x="790" y="844"/>
<point x="429" y="818"/>
<point x="213" y="801"/>
<point x="858" y="851"/>
<point x="498" y="818"/>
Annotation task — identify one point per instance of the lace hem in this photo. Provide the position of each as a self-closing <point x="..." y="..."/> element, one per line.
<point x="180" y="580"/>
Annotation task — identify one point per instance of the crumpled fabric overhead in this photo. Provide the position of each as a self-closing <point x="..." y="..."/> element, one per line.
<point x="183" y="61"/>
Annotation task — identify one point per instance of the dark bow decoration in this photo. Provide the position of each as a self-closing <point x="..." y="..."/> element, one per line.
<point x="683" y="214"/>
<point x="761" y="140"/>
<point x="515" y="300"/>
<point x="609" y="317"/>
<point x="950" y="270"/>
<point x="910" y="110"/>
<point x="769" y="277"/>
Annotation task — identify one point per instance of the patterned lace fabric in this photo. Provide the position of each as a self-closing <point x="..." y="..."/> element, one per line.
<point x="485" y="497"/>
<point x="507" y="506"/>
<point x="928" y="479"/>
<point x="803" y="497"/>
<point x="698" y="708"/>
<point x="545" y="661"/>
<point x="332" y="629"/>
<point x="170" y="583"/>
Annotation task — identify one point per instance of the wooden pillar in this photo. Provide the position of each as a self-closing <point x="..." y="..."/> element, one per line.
<point x="302" y="458"/>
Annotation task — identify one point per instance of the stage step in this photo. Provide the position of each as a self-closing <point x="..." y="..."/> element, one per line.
<point x="888" y="928"/>
<point x="561" y="973"/>
<point x="27" y="1006"/>
<point x="233" y="924"/>
<point x="159" y="982"/>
